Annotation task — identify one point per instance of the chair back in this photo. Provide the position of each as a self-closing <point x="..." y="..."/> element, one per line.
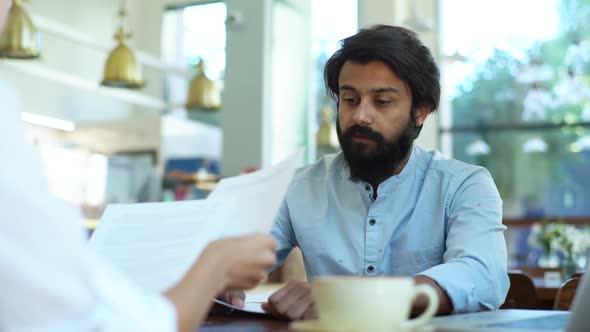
<point x="565" y="294"/>
<point x="522" y="294"/>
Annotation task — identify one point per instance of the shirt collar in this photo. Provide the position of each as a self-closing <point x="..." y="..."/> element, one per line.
<point x="394" y="181"/>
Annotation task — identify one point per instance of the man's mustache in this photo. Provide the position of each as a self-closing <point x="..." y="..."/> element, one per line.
<point x="363" y="131"/>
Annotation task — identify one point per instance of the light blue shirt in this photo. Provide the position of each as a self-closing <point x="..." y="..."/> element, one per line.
<point x="438" y="217"/>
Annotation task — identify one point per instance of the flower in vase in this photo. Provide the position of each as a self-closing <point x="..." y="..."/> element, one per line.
<point x="545" y="236"/>
<point x="573" y="243"/>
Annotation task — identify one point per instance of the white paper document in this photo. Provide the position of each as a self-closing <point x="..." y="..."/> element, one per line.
<point x="156" y="243"/>
<point x="249" y="203"/>
<point x="249" y="307"/>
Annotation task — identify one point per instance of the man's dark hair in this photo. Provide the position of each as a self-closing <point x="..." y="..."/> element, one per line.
<point x="402" y="51"/>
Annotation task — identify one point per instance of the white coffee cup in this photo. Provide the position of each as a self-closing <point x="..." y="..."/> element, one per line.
<point x="348" y="303"/>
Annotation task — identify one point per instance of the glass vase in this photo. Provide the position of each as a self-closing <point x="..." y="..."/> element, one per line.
<point x="568" y="267"/>
<point x="548" y="259"/>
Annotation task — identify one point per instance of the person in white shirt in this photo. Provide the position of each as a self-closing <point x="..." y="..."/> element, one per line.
<point x="50" y="280"/>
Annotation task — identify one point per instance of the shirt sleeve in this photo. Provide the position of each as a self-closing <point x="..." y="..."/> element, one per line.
<point x="50" y="280"/>
<point x="474" y="272"/>
<point x="282" y="232"/>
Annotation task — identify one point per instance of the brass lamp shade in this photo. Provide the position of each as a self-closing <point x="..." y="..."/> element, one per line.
<point x="203" y="93"/>
<point x="20" y="39"/>
<point x="325" y="135"/>
<point x="121" y="70"/>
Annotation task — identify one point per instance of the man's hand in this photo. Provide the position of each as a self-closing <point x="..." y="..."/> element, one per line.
<point x="294" y="301"/>
<point x="445" y="306"/>
<point x="233" y="296"/>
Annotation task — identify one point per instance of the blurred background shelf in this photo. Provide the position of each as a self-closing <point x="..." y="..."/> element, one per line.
<point x="212" y="118"/>
<point x="43" y="71"/>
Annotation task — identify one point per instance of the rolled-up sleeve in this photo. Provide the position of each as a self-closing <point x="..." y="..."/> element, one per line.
<point x="282" y="232"/>
<point x="474" y="272"/>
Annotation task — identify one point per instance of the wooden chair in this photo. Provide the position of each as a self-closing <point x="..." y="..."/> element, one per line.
<point x="522" y="294"/>
<point x="566" y="293"/>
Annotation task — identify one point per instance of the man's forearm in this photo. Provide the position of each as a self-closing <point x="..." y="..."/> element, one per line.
<point x="445" y="306"/>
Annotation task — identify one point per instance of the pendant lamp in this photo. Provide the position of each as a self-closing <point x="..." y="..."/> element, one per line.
<point x="203" y="94"/>
<point x="121" y="69"/>
<point x="20" y="39"/>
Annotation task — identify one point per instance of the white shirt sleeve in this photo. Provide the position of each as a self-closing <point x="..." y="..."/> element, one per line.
<point x="49" y="280"/>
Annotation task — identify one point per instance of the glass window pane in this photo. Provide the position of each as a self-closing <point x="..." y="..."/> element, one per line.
<point x="204" y="37"/>
<point x="537" y="171"/>
<point x="520" y="99"/>
<point x="327" y="31"/>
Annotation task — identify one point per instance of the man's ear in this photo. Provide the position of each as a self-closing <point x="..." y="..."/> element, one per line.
<point x="421" y="114"/>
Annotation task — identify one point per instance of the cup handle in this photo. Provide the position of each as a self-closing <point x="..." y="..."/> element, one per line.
<point x="430" y="309"/>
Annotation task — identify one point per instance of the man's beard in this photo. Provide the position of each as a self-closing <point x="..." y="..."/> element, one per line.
<point x="375" y="165"/>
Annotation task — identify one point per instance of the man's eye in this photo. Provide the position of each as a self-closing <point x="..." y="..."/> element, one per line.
<point x="383" y="101"/>
<point x="349" y="100"/>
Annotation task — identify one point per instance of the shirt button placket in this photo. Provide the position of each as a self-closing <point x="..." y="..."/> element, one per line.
<point x="372" y="238"/>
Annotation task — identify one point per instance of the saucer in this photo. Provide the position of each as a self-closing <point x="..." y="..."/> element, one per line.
<point x="319" y="326"/>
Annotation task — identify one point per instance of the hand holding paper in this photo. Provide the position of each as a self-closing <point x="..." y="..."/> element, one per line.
<point x="240" y="258"/>
<point x="155" y="244"/>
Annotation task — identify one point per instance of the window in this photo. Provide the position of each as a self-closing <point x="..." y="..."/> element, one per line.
<point x="205" y="25"/>
<point x="76" y="176"/>
<point x="327" y="31"/>
<point x="517" y="75"/>
<point x="202" y="36"/>
<point x="191" y="34"/>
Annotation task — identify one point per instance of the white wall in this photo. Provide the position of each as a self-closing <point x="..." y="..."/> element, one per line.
<point x="246" y="104"/>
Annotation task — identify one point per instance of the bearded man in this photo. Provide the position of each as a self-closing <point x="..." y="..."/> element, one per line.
<point x="383" y="206"/>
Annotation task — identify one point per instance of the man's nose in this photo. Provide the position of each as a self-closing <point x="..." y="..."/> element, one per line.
<point x="363" y="114"/>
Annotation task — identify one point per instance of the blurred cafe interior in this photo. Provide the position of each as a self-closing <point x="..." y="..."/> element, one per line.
<point x="156" y="100"/>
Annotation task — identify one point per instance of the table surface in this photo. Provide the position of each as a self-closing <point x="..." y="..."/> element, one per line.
<point x="545" y="293"/>
<point x="248" y="323"/>
<point x="243" y="324"/>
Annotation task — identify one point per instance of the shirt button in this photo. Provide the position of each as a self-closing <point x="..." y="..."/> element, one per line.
<point x="372" y="222"/>
<point x="370" y="269"/>
<point x="367" y="187"/>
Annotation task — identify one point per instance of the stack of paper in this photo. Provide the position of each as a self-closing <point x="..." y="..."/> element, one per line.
<point x="156" y="243"/>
